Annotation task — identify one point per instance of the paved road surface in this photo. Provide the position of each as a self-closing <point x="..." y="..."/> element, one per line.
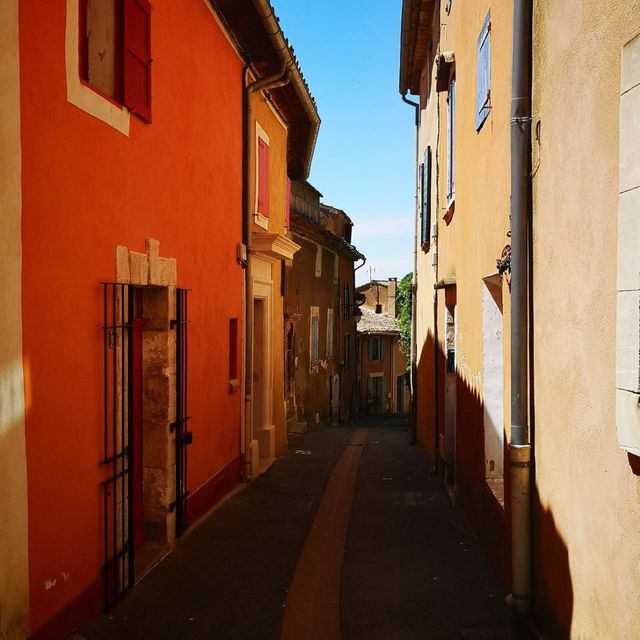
<point x="367" y="534"/>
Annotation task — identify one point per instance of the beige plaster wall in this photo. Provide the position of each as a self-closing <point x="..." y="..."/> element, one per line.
<point x="13" y="481"/>
<point x="588" y="547"/>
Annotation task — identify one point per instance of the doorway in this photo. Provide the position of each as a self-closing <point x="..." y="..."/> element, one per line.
<point x="450" y="393"/>
<point x="493" y="383"/>
<point x="375" y="392"/>
<point x="400" y="394"/>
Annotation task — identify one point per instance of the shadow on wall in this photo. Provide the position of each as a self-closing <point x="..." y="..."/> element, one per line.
<point x="553" y="591"/>
<point x="486" y="502"/>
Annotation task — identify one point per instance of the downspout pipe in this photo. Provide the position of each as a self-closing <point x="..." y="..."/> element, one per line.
<point x="279" y="79"/>
<point x="413" y="420"/>
<point x="520" y="445"/>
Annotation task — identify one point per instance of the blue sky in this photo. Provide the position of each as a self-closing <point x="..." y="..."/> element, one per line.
<point x="349" y="54"/>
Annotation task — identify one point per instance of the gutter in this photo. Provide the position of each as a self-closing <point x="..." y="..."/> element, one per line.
<point x="413" y="419"/>
<point x="288" y="60"/>
<point x="520" y="445"/>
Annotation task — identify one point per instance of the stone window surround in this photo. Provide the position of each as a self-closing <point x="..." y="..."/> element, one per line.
<point x="158" y="278"/>
<point x="81" y="94"/>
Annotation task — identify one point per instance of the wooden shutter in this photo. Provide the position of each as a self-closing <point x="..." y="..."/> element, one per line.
<point x="483" y="79"/>
<point x="426" y="196"/>
<point x="263" y="177"/>
<point x="137" y="57"/>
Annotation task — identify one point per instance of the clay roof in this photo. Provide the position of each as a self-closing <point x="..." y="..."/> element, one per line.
<point x="305" y="227"/>
<point x="256" y="30"/>
<point x="372" y="322"/>
<point x="417" y="20"/>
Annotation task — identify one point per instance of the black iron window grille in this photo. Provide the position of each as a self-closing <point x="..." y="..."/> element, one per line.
<point x="119" y="303"/>
<point x="184" y="437"/>
<point x="118" y="511"/>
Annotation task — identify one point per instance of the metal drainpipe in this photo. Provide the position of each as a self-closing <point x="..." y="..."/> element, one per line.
<point x="413" y="422"/>
<point x="280" y="79"/>
<point x="520" y="446"/>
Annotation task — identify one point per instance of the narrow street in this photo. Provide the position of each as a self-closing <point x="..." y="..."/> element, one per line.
<point x="410" y="568"/>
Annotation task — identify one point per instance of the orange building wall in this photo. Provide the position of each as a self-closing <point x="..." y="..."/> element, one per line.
<point x="86" y="189"/>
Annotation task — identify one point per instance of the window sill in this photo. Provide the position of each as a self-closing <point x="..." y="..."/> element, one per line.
<point x="261" y="220"/>
<point x="451" y="209"/>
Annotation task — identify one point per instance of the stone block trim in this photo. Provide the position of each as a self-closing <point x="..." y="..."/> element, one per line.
<point x="147" y="268"/>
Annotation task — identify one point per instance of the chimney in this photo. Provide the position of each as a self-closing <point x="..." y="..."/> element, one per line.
<point x="391" y="297"/>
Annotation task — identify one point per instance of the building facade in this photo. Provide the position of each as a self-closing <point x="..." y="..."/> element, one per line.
<point x="581" y="407"/>
<point x="123" y="271"/>
<point x="382" y="356"/>
<point x="320" y="327"/>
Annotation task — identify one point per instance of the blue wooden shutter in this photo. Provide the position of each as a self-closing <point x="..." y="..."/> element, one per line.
<point x="451" y="120"/>
<point x="483" y="79"/>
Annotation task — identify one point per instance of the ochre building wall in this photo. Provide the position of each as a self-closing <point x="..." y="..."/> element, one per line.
<point x="87" y="188"/>
<point x="468" y="244"/>
<point x="265" y="116"/>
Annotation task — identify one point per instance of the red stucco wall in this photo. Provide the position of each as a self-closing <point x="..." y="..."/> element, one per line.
<point x="86" y="189"/>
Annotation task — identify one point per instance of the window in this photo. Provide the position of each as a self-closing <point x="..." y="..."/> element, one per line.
<point x="376" y="348"/>
<point x="451" y="108"/>
<point x="450" y="337"/>
<point x="346" y="302"/>
<point x="263" y="177"/>
<point x="483" y="79"/>
<point x="425" y="212"/>
<point x="347" y="352"/>
<point x="115" y="51"/>
<point x="234" y="382"/>
<point x="318" y="261"/>
<point x="314" y="335"/>
<point x="329" y="333"/>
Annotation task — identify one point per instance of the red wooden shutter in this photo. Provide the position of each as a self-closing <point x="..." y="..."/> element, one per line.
<point x="137" y="57"/>
<point x="263" y="177"/>
<point x="287" y="211"/>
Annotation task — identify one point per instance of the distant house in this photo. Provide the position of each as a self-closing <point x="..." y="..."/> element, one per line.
<point x="382" y="368"/>
<point x="320" y="316"/>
